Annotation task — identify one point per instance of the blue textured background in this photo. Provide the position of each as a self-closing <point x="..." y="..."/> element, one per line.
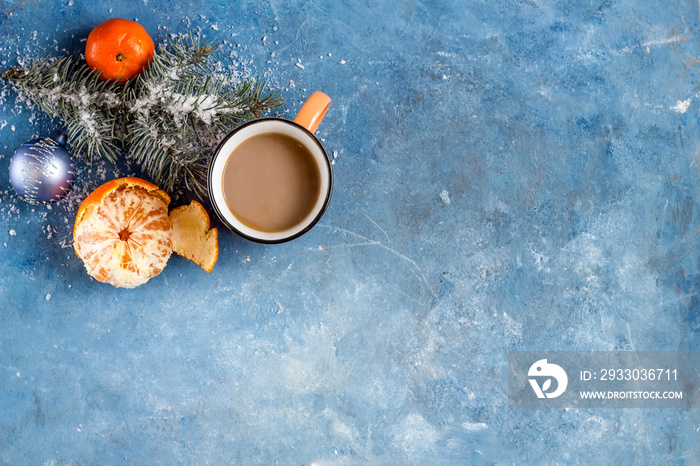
<point x="510" y="175"/>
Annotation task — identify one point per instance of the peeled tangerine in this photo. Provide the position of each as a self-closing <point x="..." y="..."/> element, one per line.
<point x="123" y="232"/>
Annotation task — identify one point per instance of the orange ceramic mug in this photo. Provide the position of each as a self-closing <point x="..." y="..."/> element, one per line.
<point x="270" y="180"/>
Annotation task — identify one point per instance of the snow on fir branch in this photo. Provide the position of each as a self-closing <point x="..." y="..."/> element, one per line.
<point x="168" y="119"/>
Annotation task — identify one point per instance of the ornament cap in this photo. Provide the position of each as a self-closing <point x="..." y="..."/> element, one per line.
<point x="60" y="136"/>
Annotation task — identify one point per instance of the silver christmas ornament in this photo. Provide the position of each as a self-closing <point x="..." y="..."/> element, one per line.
<point x="42" y="170"/>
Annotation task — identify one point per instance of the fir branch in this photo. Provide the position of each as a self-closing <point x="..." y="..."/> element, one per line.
<point x="168" y="119"/>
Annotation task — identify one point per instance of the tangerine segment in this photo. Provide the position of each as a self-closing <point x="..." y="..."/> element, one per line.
<point x="123" y="233"/>
<point x="119" y="48"/>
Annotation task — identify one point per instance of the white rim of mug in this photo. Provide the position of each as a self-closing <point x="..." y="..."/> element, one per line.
<point x="246" y="131"/>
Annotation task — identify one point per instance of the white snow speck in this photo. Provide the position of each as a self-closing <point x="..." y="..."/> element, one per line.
<point x="474" y="426"/>
<point x="682" y="106"/>
<point x="445" y="197"/>
<point x="48" y="296"/>
<point x="12" y="233"/>
<point x="299" y="65"/>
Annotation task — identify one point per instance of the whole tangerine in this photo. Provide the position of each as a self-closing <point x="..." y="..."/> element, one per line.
<point x="119" y="49"/>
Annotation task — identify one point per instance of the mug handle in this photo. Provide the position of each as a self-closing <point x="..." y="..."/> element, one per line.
<point x="313" y="110"/>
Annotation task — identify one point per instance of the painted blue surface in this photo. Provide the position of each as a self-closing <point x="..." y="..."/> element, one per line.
<point x="509" y="176"/>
